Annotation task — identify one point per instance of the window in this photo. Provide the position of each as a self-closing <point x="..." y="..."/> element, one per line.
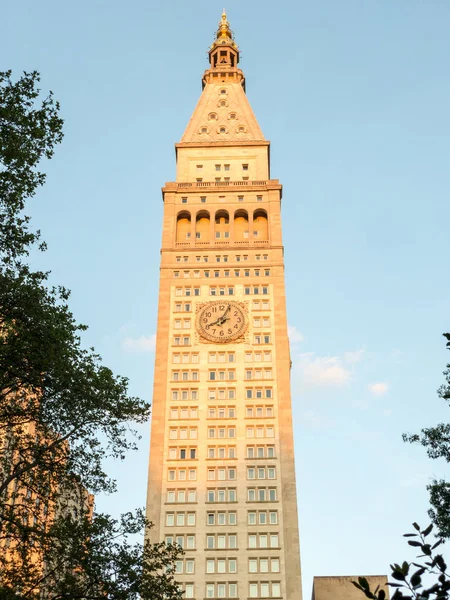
<point x="226" y="167"/>
<point x="190" y="565"/>
<point x="259" y="198"/>
<point x="221" y="590"/>
<point x="221" y="565"/>
<point x="240" y="199"/>
<point x="184" y="200"/>
<point x="245" y="167"/>
<point x="202" y="198"/>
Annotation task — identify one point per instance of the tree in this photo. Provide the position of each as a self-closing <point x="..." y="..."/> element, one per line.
<point x="410" y="585"/>
<point x="29" y="131"/>
<point x="436" y="440"/>
<point x="62" y="412"/>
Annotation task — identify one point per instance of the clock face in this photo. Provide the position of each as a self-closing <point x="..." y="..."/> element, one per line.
<point x="221" y="321"/>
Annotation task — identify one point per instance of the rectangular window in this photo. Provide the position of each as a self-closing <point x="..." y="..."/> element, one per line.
<point x="190" y="566"/>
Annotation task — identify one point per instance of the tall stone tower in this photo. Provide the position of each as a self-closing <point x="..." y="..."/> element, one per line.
<point x="221" y="473"/>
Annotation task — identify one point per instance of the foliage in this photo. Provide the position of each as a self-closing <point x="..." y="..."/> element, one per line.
<point x="62" y="412"/>
<point x="94" y="558"/>
<point x="29" y="131"/>
<point x="436" y="440"/>
<point x="409" y="582"/>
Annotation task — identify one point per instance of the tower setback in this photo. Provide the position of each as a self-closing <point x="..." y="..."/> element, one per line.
<point x="221" y="471"/>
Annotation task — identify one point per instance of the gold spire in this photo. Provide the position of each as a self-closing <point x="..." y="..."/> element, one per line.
<point x="224" y="32"/>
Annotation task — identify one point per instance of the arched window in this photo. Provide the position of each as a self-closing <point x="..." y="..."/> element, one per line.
<point x="202" y="226"/>
<point x="222" y="217"/>
<point x="260" y="225"/>
<point x="183" y="227"/>
<point x="222" y="225"/>
<point x="241" y="225"/>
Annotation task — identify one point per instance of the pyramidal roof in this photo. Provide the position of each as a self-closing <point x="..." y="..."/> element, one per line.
<point x="223" y="113"/>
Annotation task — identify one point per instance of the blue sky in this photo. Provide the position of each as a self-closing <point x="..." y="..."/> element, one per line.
<point x="354" y="97"/>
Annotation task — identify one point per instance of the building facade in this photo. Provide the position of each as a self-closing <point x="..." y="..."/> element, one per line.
<point x="221" y="471"/>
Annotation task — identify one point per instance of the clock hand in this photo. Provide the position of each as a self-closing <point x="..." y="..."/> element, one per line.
<point x="216" y="322"/>
<point x="222" y="319"/>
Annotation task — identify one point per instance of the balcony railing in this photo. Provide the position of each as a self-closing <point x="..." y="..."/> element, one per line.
<point x="188" y="184"/>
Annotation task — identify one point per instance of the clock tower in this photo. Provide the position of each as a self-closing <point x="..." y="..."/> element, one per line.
<point x="221" y="471"/>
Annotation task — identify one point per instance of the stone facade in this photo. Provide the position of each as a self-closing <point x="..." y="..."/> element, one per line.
<point x="341" y="588"/>
<point x="221" y="470"/>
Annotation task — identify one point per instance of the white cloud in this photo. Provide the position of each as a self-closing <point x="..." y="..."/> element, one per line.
<point x="378" y="389"/>
<point x="144" y="343"/>
<point x="294" y="334"/>
<point x="354" y="357"/>
<point x="323" y="370"/>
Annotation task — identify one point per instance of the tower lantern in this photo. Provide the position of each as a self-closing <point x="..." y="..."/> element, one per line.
<point x="223" y="56"/>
